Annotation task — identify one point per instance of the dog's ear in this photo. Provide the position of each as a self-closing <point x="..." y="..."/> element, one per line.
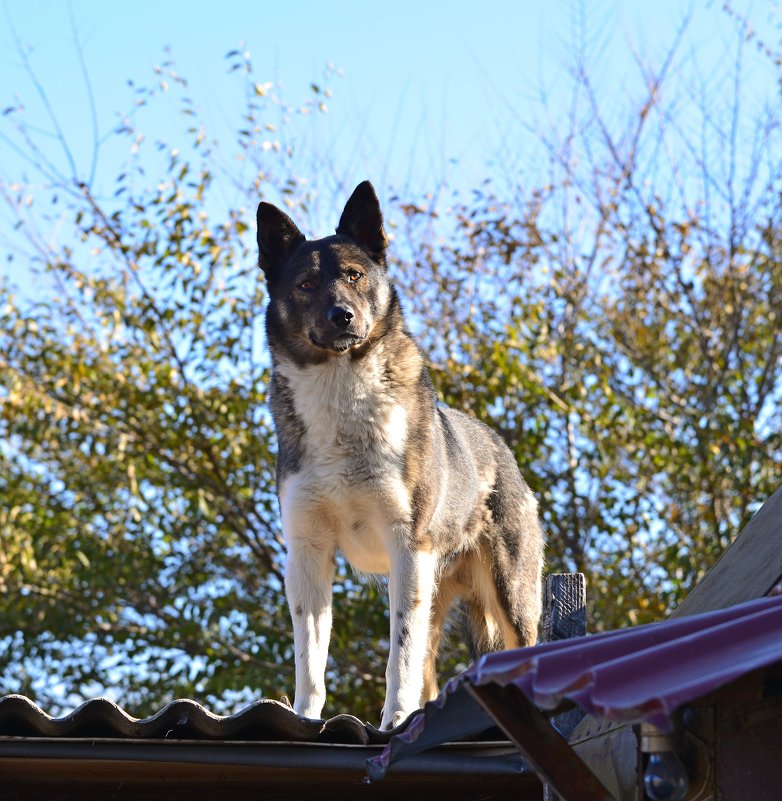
<point x="362" y="222"/>
<point x="278" y="237"/>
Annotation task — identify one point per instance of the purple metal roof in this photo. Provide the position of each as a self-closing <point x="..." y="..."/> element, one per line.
<point x="630" y="675"/>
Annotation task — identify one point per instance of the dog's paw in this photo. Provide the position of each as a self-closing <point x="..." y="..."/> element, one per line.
<point x="393" y="720"/>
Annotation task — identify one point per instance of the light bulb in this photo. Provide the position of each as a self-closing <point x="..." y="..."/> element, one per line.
<point x="665" y="778"/>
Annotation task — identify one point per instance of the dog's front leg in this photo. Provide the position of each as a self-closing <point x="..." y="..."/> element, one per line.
<point x="309" y="575"/>
<point x="411" y="584"/>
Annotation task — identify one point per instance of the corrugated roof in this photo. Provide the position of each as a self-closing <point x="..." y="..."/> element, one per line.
<point x="187" y="752"/>
<point x="639" y="674"/>
<point x="264" y="720"/>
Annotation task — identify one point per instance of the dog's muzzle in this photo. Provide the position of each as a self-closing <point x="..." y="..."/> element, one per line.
<point x="335" y="335"/>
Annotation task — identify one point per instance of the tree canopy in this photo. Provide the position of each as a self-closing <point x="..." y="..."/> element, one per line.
<point x="617" y="319"/>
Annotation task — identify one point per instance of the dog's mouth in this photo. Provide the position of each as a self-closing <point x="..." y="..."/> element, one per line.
<point x="340" y="344"/>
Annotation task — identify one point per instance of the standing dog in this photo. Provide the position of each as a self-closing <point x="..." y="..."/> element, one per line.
<point x="371" y="465"/>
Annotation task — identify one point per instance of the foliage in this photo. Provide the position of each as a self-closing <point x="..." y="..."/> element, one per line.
<point x="621" y="326"/>
<point x="624" y="338"/>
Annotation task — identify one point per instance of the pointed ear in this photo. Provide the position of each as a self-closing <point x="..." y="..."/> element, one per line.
<point x="278" y="237"/>
<point x="362" y="222"/>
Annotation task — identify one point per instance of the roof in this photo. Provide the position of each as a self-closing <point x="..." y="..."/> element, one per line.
<point x="78" y="768"/>
<point x="644" y="673"/>
<point x="186" y="751"/>
<point x="263" y="721"/>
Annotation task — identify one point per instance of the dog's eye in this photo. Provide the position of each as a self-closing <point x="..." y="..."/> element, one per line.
<point x="354" y="275"/>
<point x="306" y="286"/>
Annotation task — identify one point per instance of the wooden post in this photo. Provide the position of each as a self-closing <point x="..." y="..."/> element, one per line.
<point x="564" y="617"/>
<point x="564" y="606"/>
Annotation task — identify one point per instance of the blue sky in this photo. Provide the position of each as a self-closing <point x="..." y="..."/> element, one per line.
<point x="428" y="93"/>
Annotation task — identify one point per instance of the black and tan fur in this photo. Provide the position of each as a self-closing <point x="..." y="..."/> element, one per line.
<point x="370" y="464"/>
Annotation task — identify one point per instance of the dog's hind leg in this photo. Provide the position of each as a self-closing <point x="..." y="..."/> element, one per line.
<point x="515" y="545"/>
<point x="447" y="591"/>
<point x="481" y="608"/>
<point x="504" y="603"/>
<point x="516" y="577"/>
<point x="500" y="612"/>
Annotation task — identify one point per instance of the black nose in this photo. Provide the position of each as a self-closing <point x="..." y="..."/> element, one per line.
<point x="340" y="316"/>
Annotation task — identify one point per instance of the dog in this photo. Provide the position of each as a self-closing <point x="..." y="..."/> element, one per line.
<point x="370" y="464"/>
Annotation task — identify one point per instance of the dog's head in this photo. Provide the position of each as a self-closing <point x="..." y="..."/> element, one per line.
<point x="326" y="296"/>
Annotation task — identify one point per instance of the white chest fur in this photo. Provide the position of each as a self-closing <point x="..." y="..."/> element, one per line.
<point x="350" y="491"/>
<point x="347" y="408"/>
